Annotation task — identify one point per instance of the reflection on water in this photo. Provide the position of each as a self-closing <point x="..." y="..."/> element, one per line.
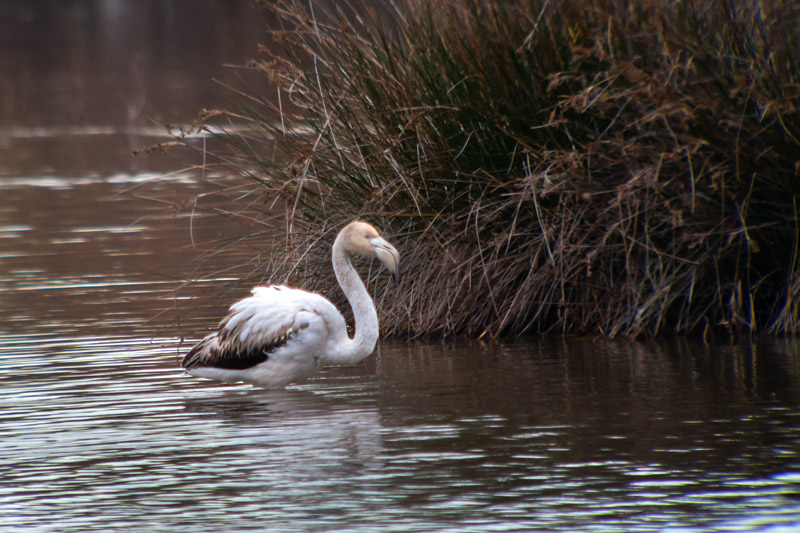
<point x="84" y="83"/>
<point x="100" y="430"/>
<point x="105" y="252"/>
<point x="123" y="64"/>
<point x="105" y="432"/>
<point x="107" y="436"/>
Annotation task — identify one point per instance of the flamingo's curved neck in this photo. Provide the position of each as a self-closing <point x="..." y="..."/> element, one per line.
<point x="366" y="332"/>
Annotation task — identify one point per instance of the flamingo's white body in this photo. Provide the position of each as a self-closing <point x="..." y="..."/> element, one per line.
<point x="281" y="334"/>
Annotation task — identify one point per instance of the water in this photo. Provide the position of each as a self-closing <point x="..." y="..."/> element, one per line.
<point x="101" y="430"/>
<point x="104" y="432"/>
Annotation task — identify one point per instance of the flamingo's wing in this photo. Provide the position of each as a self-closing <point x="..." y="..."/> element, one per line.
<point x="268" y="319"/>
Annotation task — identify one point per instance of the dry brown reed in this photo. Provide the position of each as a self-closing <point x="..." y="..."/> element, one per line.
<point x="575" y="166"/>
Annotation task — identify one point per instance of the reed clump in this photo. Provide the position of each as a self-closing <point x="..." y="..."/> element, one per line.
<point x="573" y="166"/>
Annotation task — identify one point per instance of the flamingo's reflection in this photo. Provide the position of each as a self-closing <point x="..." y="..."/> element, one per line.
<point x="298" y="429"/>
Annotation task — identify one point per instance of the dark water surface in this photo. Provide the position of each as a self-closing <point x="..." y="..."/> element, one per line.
<point x="100" y="430"/>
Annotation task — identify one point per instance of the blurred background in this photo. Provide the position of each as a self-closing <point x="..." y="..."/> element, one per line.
<point x="83" y="82"/>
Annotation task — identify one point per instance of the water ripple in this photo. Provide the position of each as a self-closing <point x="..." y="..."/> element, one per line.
<point x="102" y="431"/>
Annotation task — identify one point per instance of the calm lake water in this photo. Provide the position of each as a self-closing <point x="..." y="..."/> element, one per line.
<point x="101" y="430"/>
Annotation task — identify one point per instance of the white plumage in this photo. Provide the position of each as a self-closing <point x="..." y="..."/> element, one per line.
<point x="281" y="334"/>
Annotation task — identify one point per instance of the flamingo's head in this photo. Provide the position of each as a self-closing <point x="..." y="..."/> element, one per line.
<point x="363" y="239"/>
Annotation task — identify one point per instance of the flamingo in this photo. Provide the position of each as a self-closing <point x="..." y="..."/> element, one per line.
<point x="279" y="335"/>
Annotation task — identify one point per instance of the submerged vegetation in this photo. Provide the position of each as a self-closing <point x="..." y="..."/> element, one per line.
<point x="573" y="166"/>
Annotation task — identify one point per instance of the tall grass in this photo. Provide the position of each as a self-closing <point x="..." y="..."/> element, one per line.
<point x="568" y="166"/>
